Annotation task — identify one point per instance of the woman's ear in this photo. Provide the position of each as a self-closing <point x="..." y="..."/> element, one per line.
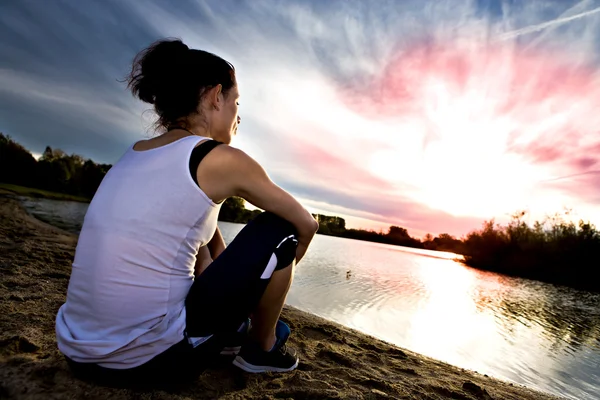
<point x="215" y="97"/>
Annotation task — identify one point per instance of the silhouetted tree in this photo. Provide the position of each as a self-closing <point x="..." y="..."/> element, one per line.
<point x="17" y="165"/>
<point x="55" y="171"/>
<point x="553" y="250"/>
<point x="234" y="210"/>
<point x="329" y="225"/>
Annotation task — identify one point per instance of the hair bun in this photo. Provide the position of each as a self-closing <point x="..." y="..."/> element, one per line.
<point x="173" y="78"/>
<point x="154" y="67"/>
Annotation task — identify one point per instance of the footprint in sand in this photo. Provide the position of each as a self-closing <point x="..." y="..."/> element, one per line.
<point x="17" y="344"/>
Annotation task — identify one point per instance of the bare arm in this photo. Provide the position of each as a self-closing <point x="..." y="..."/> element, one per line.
<point x="206" y="254"/>
<point x="203" y="260"/>
<point x="216" y="244"/>
<point x="254" y="185"/>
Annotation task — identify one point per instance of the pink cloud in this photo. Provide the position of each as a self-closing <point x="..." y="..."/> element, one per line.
<point x="343" y="179"/>
<point x="539" y="152"/>
<point x="525" y="77"/>
<point x="332" y="167"/>
<point x="521" y="85"/>
<point x="583" y="185"/>
<point x="547" y="104"/>
<point x="584" y="163"/>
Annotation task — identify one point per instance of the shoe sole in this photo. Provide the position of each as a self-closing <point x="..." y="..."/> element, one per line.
<point x="231" y="351"/>
<point x="255" y="369"/>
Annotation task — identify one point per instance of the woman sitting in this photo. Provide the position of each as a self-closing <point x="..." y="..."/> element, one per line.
<point x="154" y="292"/>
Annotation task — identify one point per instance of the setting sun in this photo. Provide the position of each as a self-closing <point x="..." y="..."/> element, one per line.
<point x="472" y="124"/>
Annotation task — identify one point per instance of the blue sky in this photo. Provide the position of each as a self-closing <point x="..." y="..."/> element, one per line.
<point x="433" y="115"/>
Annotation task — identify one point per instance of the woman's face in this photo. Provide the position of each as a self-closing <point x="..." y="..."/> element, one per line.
<point x="226" y="119"/>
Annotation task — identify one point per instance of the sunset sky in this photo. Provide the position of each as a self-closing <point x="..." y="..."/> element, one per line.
<point x="431" y="115"/>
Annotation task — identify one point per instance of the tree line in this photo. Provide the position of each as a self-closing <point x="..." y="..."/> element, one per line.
<point x="552" y="250"/>
<point x="55" y="171"/>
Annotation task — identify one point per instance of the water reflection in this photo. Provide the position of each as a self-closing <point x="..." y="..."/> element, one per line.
<point x="527" y="332"/>
<point x="448" y="304"/>
<point x="532" y="333"/>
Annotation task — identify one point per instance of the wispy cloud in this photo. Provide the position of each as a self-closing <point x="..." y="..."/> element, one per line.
<point x="549" y="24"/>
<point x="431" y="115"/>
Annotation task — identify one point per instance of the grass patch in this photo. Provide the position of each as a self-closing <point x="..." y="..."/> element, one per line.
<point x="32" y="192"/>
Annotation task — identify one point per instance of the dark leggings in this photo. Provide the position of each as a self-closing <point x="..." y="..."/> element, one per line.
<point x="219" y="301"/>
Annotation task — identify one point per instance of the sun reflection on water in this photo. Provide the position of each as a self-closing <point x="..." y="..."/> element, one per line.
<point x="449" y="303"/>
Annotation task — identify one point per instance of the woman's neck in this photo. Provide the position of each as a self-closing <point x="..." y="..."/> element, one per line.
<point x="190" y="129"/>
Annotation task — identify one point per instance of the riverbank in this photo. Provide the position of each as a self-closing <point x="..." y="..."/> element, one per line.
<point x="39" y="193"/>
<point x="336" y="362"/>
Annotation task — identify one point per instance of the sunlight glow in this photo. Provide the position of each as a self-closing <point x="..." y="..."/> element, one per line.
<point x="473" y="115"/>
<point x="450" y="303"/>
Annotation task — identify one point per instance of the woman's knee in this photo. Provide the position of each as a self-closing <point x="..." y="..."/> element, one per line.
<point x="272" y="221"/>
<point x="286" y="252"/>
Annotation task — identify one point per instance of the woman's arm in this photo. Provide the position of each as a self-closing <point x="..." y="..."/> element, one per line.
<point x="203" y="260"/>
<point x="227" y="171"/>
<point x="206" y="254"/>
<point x="250" y="182"/>
<point x="216" y="244"/>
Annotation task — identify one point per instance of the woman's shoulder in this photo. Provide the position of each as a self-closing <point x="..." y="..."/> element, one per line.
<point x="230" y="155"/>
<point x="231" y="164"/>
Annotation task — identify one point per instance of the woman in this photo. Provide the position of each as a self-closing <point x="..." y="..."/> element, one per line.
<point x="154" y="292"/>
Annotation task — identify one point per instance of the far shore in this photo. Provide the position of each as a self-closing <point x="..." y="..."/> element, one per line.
<point x="336" y="362"/>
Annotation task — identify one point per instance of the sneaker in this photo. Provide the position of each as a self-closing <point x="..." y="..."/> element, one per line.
<point x="233" y="342"/>
<point x="252" y="358"/>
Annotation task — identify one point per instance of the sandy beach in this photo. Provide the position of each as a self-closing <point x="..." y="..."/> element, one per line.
<point x="335" y="362"/>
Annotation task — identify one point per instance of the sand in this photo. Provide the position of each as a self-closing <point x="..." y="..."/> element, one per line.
<point x="335" y="362"/>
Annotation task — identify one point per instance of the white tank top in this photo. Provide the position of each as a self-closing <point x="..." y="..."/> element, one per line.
<point x="134" y="262"/>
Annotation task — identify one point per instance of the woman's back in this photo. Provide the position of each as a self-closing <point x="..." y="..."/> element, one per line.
<point x="135" y="258"/>
<point x="152" y="278"/>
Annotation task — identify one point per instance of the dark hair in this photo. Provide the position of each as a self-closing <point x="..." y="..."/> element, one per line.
<point x="173" y="77"/>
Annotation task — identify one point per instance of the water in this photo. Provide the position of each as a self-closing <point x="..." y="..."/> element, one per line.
<point x="532" y="333"/>
<point x="67" y="215"/>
